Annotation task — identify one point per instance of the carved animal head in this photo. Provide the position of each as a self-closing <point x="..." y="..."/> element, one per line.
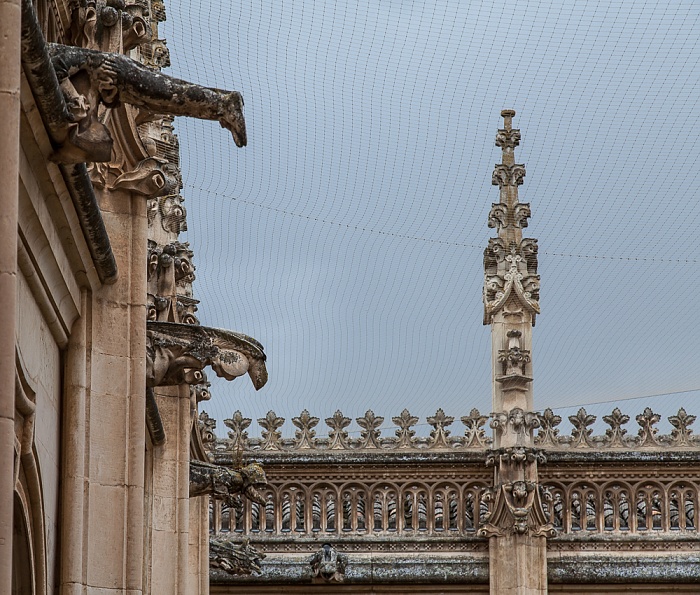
<point x="231" y="118"/>
<point x="254" y="479"/>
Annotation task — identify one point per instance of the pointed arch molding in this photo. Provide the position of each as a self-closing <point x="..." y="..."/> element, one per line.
<point x="28" y="486"/>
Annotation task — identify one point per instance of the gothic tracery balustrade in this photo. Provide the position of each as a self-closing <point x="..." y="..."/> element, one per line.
<point x="377" y="488"/>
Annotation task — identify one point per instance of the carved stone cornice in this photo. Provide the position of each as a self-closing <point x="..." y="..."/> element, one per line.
<point x="226" y="484"/>
<point x="177" y="353"/>
<point x="90" y="78"/>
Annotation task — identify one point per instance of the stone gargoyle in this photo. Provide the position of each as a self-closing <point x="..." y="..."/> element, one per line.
<point x="224" y="484"/>
<point x="90" y="78"/>
<point x="241" y="559"/>
<point x="177" y="353"/>
<point x="328" y="564"/>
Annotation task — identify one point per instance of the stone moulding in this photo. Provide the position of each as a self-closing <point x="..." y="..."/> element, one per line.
<point x="54" y="114"/>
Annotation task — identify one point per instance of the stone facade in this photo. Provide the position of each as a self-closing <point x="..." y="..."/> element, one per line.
<point x="102" y="357"/>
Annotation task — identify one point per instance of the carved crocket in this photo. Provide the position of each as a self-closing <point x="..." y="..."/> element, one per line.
<point x="224" y="484"/>
<point x="234" y="558"/>
<point x="89" y="78"/>
<point x="177" y="353"/>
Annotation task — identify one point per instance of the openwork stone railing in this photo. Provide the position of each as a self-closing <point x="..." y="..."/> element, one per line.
<point x="336" y="509"/>
<point x="624" y="507"/>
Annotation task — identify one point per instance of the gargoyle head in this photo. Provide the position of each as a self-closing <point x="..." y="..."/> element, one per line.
<point x="232" y="119"/>
<point x="254" y="479"/>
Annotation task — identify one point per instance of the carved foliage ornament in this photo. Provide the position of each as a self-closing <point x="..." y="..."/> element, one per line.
<point x="177" y="353"/>
<point x="508" y="175"/>
<point x="89" y="78"/>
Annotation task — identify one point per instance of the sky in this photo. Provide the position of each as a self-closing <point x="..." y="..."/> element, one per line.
<point x="348" y="236"/>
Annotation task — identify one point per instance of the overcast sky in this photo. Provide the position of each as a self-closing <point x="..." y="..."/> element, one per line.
<point x="348" y="236"/>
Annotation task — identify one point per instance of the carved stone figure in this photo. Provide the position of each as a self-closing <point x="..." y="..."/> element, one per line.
<point x="90" y="78"/>
<point x="328" y="564"/>
<point x="223" y="484"/>
<point x="240" y="559"/>
<point x="177" y="353"/>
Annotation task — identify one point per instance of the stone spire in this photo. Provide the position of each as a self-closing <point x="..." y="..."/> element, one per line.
<point x="511" y="282"/>
<point x="516" y="524"/>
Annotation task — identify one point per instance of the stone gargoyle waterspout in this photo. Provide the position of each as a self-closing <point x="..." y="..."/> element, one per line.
<point x="177" y="353"/>
<point x="89" y="78"/>
<point x="225" y="484"/>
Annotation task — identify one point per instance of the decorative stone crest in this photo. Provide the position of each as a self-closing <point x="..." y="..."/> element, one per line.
<point x="369" y="435"/>
<point x="439" y="435"/>
<point x="474" y="433"/>
<point x="271" y="434"/>
<point x="305" y="436"/>
<point x="328" y="564"/>
<point x="338" y="435"/>
<point x="238" y="426"/>
<point x="404" y="433"/>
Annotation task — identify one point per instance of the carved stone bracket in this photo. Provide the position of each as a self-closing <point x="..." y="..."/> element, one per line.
<point x="225" y="484"/>
<point x="516" y="507"/>
<point x="177" y="353"/>
<point x="328" y="564"/>
<point x="233" y="558"/>
<point x="90" y="78"/>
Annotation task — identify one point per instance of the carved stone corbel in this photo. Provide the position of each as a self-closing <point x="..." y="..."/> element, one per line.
<point x="518" y="509"/>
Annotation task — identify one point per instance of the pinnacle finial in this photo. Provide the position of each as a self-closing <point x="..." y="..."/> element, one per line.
<point x="507" y="115"/>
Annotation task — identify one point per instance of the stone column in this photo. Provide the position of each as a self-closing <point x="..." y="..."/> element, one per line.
<point x="516" y="524"/>
<point x="10" y="64"/>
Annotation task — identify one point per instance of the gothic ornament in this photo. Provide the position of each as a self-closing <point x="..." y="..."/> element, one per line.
<point x="328" y="564"/>
<point x="177" y="353"/>
<point x="90" y="78"/>
<point x="233" y="558"/>
<point x="224" y="484"/>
